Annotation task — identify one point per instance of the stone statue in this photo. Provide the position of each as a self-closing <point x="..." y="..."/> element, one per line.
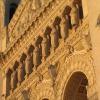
<point x="20" y="73"/>
<point x="74" y="16"/>
<point x="54" y="38"/>
<point x="28" y="64"/>
<point x="13" y="80"/>
<point x="64" y="27"/>
<point x="36" y="56"/>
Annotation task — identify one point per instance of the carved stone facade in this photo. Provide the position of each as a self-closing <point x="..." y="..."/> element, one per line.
<point x="49" y="52"/>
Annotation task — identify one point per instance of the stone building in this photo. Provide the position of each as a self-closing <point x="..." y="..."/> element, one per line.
<point x="49" y="50"/>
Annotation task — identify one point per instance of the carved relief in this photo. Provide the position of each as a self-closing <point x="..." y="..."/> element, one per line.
<point x="74" y="16"/>
<point x="64" y="27"/>
<point x="61" y="59"/>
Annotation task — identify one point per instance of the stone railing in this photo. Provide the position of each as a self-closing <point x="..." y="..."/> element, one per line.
<point x="34" y="48"/>
<point x="73" y="40"/>
<point x="22" y="19"/>
<point x="36" y="27"/>
<point x="40" y="15"/>
<point x="20" y="12"/>
<point x="66" y="47"/>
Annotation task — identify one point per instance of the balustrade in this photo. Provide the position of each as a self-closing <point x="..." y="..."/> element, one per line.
<point x="54" y="38"/>
<point x="42" y="46"/>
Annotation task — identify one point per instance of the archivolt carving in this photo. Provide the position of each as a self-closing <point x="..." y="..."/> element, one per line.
<point x="33" y="94"/>
<point x="45" y="90"/>
<point x="75" y="64"/>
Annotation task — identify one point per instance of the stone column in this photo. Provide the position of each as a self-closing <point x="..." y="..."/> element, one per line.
<point x="13" y="80"/>
<point x="45" y="50"/>
<point x="28" y="64"/>
<point x="20" y="73"/>
<point x="74" y="16"/>
<point x="36" y="56"/>
<point x="64" y="25"/>
<point x="54" y="38"/>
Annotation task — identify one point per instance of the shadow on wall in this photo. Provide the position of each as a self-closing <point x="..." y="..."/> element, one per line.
<point x="10" y="8"/>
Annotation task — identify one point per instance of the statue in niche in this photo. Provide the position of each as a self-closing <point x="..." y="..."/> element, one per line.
<point x="64" y="27"/>
<point x="74" y="16"/>
<point x="54" y="38"/>
<point x="53" y="73"/>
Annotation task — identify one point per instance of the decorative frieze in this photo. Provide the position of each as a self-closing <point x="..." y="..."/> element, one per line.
<point x="43" y="42"/>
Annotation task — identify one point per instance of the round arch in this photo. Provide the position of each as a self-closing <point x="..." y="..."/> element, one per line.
<point x="76" y="88"/>
<point x="76" y="63"/>
<point x="46" y="91"/>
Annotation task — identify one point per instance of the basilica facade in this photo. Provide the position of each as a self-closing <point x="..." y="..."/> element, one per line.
<point x="47" y="50"/>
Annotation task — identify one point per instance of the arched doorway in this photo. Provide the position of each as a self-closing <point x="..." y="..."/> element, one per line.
<point x="76" y="88"/>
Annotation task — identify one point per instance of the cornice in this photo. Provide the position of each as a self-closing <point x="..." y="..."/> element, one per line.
<point x="26" y="39"/>
<point x="73" y="39"/>
<point x="21" y="16"/>
<point x="53" y="59"/>
<point x="32" y="31"/>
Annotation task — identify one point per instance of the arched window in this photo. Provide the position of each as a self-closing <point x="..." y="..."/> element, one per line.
<point x="12" y="10"/>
